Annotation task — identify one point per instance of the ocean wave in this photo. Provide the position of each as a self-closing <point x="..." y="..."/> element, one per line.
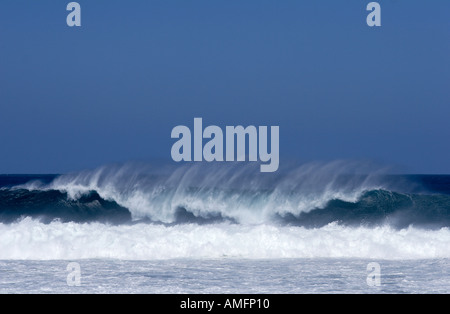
<point x="311" y="196"/>
<point x="234" y="192"/>
<point x="371" y="208"/>
<point x="49" y="205"/>
<point x="30" y="239"/>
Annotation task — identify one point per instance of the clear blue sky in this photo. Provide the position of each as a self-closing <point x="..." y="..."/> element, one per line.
<point x="112" y="90"/>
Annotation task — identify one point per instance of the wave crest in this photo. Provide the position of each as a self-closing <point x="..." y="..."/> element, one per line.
<point x="310" y="195"/>
<point x="241" y="194"/>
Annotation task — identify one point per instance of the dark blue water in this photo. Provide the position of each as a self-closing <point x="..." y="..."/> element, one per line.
<point x="411" y="200"/>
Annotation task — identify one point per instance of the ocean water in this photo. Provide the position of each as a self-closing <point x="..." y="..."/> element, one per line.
<point x="226" y="276"/>
<point x="313" y="228"/>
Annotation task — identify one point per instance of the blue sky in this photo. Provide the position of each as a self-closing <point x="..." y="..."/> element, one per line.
<point x="113" y="89"/>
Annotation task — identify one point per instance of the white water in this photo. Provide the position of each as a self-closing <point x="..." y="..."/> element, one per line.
<point x="30" y="239"/>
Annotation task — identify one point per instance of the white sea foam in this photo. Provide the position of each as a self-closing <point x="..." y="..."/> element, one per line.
<point x="32" y="240"/>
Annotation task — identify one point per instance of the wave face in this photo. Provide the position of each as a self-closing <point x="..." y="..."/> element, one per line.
<point x="47" y="206"/>
<point x="311" y="195"/>
<point x="171" y="212"/>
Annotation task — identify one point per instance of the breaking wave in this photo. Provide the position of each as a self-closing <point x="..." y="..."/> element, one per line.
<point x="131" y="211"/>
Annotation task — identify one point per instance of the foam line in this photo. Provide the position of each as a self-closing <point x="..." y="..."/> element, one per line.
<point x="30" y="239"/>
